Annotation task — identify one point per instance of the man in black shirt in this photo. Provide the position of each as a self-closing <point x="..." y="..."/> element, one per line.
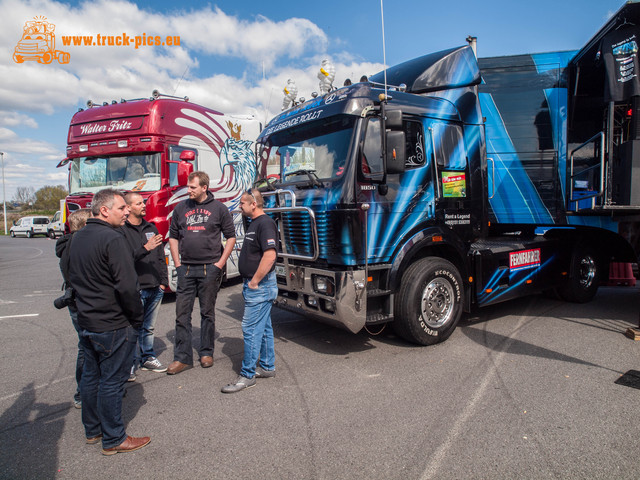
<point x="148" y="255"/>
<point x="196" y="249"/>
<point x="257" y="265"/>
<point x="104" y="279"/>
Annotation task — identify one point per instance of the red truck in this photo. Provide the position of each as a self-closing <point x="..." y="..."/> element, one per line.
<point x="150" y="145"/>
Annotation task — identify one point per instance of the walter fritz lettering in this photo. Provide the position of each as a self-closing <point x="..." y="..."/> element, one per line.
<point x="113" y="126"/>
<point x="197" y="219"/>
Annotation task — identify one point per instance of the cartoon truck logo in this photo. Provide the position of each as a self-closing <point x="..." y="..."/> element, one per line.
<point x="38" y="43"/>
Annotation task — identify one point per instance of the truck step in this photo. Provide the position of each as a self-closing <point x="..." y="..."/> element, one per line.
<point x="378" y="318"/>
<point x="376" y="292"/>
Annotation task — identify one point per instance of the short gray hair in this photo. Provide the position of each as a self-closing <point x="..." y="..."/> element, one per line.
<point x="104" y="198"/>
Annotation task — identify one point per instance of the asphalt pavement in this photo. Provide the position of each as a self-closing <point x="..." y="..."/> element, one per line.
<point x="534" y="388"/>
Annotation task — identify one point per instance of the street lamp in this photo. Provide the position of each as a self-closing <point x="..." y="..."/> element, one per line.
<point x="4" y="201"/>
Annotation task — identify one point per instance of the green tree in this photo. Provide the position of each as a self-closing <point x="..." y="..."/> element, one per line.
<point x="48" y="197"/>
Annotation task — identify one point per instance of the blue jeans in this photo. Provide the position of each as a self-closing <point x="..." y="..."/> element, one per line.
<point x="73" y="313"/>
<point x="107" y="360"/>
<point x="256" y="325"/>
<point x="202" y="281"/>
<point x="151" y="299"/>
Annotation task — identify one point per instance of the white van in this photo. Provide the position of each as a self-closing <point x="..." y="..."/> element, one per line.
<point x="56" y="227"/>
<point x="30" y="226"/>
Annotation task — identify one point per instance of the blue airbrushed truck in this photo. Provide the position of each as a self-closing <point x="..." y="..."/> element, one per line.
<point x="458" y="183"/>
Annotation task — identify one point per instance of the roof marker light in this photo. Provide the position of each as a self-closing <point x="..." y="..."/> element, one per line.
<point x="122" y="143"/>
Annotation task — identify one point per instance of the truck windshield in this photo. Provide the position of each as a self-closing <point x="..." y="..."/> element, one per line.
<point x="320" y="148"/>
<point x="138" y="173"/>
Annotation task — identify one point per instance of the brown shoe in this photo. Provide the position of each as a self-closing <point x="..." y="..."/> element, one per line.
<point x="177" y="367"/>
<point x="206" y="361"/>
<point x="129" y="445"/>
<point x="94" y="440"/>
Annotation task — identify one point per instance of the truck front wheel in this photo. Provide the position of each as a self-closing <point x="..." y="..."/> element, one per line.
<point x="428" y="305"/>
<point x="583" y="283"/>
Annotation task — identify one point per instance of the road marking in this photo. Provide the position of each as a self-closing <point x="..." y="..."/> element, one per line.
<point x="6" y="302"/>
<point x="37" y="387"/>
<point x="432" y="467"/>
<point x="18" y="316"/>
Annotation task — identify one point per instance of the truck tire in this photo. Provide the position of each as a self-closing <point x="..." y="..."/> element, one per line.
<point x="428" y="305"/>
<point x="29" y="233"/>
<point x="47" y="58"/>
<point x="582" y="284"/>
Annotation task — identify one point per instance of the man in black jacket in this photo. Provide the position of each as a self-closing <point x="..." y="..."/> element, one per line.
<point x="109" y="314"/>
<point x="146" y="245"/>
<point x="196" y="248"/>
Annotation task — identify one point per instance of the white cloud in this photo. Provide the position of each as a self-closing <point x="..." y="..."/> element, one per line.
<point x="14" y="119"/>
<point x="110" y="73"/>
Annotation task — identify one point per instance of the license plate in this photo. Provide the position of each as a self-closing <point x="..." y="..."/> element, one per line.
<point x="280" y="270"/>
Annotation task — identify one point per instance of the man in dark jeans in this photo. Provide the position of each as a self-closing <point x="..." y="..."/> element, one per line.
<point x="196" y="249"/>
<point x="148" y="255"/>
<point x="109" y="314"/>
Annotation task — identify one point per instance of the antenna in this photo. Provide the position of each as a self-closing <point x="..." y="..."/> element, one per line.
<point x="384" y="51"/>
<point x="180" y="81"/>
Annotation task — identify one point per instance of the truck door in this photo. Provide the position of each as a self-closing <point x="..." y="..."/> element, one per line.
<point x="451" y="171"/>
<point x="408" y="200"/>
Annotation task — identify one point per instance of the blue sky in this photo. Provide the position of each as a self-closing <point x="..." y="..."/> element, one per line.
<point x="235" y="56"/>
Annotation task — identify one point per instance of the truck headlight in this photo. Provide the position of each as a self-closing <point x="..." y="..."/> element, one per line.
<point x="323" y="285"/>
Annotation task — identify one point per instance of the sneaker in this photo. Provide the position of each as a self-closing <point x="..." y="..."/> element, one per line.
<point x="262" y="373"/>
<point x="132" y="375"/>
<point x="240" y="384"/>
<point x="153" y="365"/>
<point x="77" y="403"/>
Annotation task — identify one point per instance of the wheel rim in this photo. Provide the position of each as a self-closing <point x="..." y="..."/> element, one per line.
<point x="437" y="303"/>
<point x="588" y="270"/>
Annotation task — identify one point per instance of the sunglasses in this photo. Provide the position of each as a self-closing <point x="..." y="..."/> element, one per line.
<point x="249" y="192"/>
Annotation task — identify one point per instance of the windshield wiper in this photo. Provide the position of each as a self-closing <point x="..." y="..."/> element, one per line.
<point x="314" y="181"/>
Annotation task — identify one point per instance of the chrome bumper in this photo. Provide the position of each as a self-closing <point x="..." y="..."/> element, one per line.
<point x="344" y="307"/>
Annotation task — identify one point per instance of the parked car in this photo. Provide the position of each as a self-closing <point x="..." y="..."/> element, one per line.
<point x="56" y="227"/>
<point x="30" y="226"/>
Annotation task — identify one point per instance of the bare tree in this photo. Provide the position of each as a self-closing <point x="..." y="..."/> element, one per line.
<point x="24" y="195"/>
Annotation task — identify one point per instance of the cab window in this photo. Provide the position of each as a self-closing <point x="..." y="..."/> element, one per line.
<point x="415" y="144"/>
<point x="449" y="145"/>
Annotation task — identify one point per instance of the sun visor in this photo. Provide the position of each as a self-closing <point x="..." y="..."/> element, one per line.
<point x="453" y="68"/>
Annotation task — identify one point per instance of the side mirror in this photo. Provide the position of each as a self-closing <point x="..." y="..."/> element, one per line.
<point x="393" y="120"/>
<point x="187" y="156"/>
<point x="396" y="151"/>
<point x="184" y="170"/>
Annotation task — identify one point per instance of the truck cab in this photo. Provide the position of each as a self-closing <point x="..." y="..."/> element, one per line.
<point x="390" y="209"/>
